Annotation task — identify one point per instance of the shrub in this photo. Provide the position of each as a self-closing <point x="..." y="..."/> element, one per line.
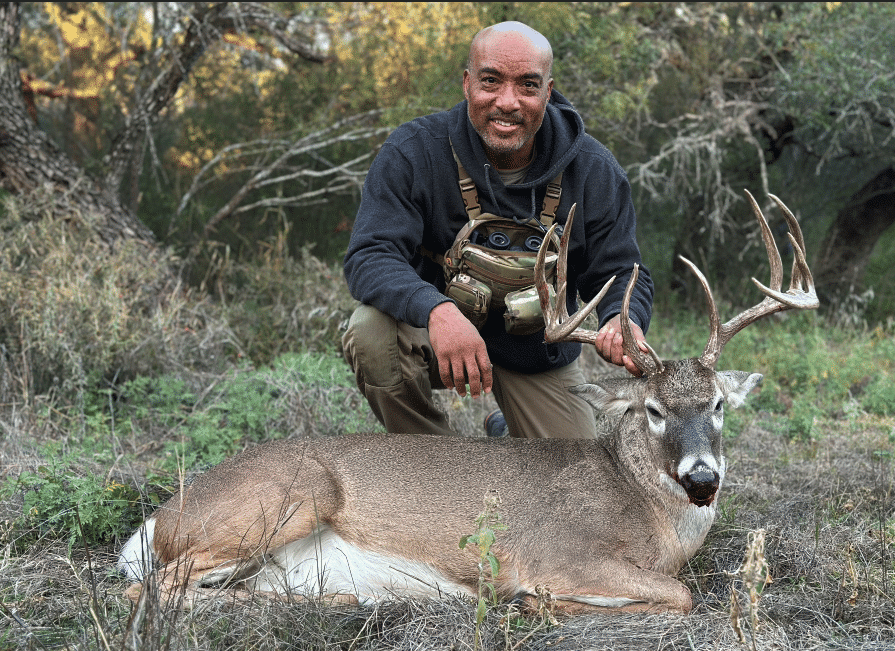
<point x="74" y="310"/>
<point x="277" y="302"/>
<point x="64" y="501"/>
<point x="879" y="397"/>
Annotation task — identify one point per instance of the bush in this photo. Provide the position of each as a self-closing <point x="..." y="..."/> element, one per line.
<point x="74" y="310"/>
<point x="879" y="398"/>
<point x="64" y="501"/>
<point x="277" y="303"/>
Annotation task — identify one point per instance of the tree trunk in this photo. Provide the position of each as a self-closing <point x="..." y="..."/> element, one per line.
<point x="849" y="242"/>
<point x="29" y="160"/>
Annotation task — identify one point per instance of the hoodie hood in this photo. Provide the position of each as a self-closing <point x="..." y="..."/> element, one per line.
<point x="557" y="143"/>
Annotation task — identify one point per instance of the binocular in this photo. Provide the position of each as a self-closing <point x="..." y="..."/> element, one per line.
<point x="500" y="241"/>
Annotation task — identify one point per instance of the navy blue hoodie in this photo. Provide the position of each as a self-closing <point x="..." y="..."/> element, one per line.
<point x="411" y="200"/>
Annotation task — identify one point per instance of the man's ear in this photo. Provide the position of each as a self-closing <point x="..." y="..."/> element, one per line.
<point x="466" y="84"/>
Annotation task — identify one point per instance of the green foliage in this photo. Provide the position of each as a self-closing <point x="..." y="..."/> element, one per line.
<point x="811" y="370"/>
<point x="839" y="83"/>
<point x="605" y="66"/>
<point x="301" y="393"/>
<point x="64" y="501"/>
<point x="487" y="524"/>
<point x="802" y="416"/>
<point x="881" y="307"/>
<point x="880" y="395"/>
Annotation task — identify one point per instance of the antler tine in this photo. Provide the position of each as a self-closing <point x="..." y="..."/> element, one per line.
<point x="649" y="365"/>
<point x="559" y="325"/>
<point x="709" y="356"/>
<point x="800" y="271"/>
<point x="801" y="294"/>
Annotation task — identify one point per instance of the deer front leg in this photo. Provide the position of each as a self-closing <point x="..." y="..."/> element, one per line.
<point x="619" y="587"/>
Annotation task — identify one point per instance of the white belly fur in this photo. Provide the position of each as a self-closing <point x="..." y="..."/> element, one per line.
<point x="320" y="564"/>
<point x="325" y="564"/>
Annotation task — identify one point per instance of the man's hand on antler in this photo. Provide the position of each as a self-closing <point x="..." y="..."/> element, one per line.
<point x="609" y="344"/>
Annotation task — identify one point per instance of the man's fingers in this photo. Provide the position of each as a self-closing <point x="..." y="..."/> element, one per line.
<point x="475" y="373"/>
<point x="474" y="380"/>
<point x="479" y="376"/>
<point x="444" y="370"/>
<point x="631" y="367"/>
<point x="460" y="350"/>
<point x="460" y="382"/>
<point x="487" y="374"/>
<point x="610" y="345"/>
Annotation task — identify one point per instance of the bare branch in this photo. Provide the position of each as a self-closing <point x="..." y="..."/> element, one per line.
<point x="279" y="160"/>
<point x="205" y="23"/>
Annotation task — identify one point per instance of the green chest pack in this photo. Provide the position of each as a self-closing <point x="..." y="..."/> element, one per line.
<point x="490" y="266"/>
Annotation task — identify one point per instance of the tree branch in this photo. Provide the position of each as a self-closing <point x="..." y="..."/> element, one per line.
<point x="205" y="24"/>
<point x="279" y="152"/>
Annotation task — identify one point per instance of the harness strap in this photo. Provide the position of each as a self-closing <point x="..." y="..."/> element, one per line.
<point x="467" y="188"/>
<point x="471" y="195"/>
<point x="551" y="201"/>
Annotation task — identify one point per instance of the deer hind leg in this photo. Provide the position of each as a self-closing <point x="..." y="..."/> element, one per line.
<point x="223" y="530"/>
<point x="169" y="586"/>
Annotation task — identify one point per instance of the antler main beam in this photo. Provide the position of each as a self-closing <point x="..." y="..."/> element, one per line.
<point x="801" y="294"/>
<point x="562" y="327"/>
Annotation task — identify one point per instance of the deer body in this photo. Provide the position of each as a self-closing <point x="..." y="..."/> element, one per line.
<point x="601" y="524"/>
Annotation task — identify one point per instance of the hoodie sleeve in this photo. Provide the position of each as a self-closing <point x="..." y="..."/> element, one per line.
<point x="611" y="237"/>
<point x="386" y="238"/>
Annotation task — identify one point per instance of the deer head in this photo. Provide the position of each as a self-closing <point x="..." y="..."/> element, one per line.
<point x="679" y="402"/>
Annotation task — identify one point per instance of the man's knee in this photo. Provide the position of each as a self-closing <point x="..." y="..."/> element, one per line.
<point x="370" y="347"/>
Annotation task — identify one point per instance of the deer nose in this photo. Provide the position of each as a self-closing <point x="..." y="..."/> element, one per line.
<point x="701" y="484"/>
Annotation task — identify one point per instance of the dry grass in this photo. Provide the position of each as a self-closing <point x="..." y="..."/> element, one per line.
<point x="824" y="501"/>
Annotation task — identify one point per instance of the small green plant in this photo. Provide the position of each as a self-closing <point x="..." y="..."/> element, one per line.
<point x="801" y="419"/>
<point x="63" y="502"/>
<point x="879" y="397"/>
<point x="487" y="524"/>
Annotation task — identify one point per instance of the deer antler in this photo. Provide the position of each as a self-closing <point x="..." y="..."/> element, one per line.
<point x="561" y="327"/>
<point x="801" y="294"/>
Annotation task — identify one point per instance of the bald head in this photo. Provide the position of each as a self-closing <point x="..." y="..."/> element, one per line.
<point x="502" y="32"/>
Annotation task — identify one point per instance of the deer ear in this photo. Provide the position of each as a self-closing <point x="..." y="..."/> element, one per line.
<point x="736" y="385"/>
<point x="607" y="396"/>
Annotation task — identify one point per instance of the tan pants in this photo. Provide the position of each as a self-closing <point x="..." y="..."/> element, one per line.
<point x="396" y="370"/>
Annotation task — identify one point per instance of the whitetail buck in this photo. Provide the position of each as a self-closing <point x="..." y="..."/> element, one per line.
<point x="602" y="524"/>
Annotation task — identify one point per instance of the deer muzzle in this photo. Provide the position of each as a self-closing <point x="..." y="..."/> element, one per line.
<point x="701" y="484"/>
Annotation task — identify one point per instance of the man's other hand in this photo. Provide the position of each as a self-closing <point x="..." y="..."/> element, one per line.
<point x="460" y="350"/>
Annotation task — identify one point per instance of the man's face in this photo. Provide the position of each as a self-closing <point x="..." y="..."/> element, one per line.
<point x="507" y="86"/>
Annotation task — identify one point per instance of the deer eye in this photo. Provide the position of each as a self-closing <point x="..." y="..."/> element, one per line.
<point x="719" y="406"/>
<point x="653" y="412"/>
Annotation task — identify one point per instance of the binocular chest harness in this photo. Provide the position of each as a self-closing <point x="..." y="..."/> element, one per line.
<point x="491" y="264"/>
